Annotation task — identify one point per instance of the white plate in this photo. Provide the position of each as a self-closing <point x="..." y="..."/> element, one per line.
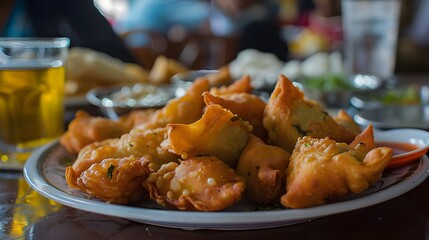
<point x="44" y="172"/>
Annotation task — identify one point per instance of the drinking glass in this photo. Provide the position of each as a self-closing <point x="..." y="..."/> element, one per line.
<point x="370" y="37"/>
<point x="32" y="77"/>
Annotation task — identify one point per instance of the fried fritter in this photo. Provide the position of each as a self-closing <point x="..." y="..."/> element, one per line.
<point x="345" y="120"/>
<point x="86" y="129"/>
<point x="137" y="117"/>
<point x="200" y="183"/>
<point x="321" y="169"/>
<point x="186" y="109"/>
<point x="240" y="86"/>
<point x="88" y="156"/>
<point x="115" y="180"/>
<point x="289" y="115"/>
<point x="247" y="106"/>
<point x="138" y="143"/>
<point x="264" y="169"/>
<point x="219" y="133"/>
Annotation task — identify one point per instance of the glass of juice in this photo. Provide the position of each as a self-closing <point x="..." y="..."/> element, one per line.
<point x="32" y="77"/>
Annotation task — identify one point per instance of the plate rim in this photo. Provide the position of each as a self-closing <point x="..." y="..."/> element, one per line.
<point x="210" y="220"/>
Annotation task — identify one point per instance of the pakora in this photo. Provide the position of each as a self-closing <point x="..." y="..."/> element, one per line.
<point x="263" y="167"/>
<point x="200" y="183"/>
<point x="321" y="169"/>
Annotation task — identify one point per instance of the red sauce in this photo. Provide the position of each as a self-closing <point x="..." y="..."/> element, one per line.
<point x="398" y="147"/>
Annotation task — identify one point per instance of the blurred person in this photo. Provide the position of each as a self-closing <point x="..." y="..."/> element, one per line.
<point x="254" y="23"/>
<point x="161" y="17"/>
<point x="171" y="28"/>
<point x="78" y="20"/>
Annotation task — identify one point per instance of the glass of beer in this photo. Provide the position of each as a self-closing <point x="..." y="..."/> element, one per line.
<point x="32" y="78"/>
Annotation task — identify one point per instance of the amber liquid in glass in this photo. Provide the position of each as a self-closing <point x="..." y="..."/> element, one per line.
<point x="31" y="107"/>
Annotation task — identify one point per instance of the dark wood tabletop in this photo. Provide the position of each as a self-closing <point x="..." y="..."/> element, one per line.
<point x="25" y="214"/>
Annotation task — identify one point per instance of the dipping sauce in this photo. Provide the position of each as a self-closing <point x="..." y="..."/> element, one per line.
<point x="398" y="147"/>
<point x="403" y="153"/>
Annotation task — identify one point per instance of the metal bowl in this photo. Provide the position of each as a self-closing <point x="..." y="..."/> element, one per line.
<point x="329" y="98"/>
<point x="399" y="96"/>
<point x="118" y="100"/>
<point x="182" y="81"/>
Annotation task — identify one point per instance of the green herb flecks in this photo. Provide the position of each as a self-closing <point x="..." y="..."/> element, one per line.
<point x="110" y="171"/>
<point x="301" y="131"/>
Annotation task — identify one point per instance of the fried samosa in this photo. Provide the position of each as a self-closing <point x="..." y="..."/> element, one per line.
<point x="346" y="121"/>
<point x="200" y="183"/>
<point x="264" y="170"/>
<point x="115" y="180"/>
<point x="321" y="169"/>
<point x="289" y="115"/>
<point x="185" y="109"/>
<point x="219" y="133"/>
<point x="240" y="86"/>
<point x="96" y="129"/>
<point x="138" y="143"/>
<point x="247" y="106"/>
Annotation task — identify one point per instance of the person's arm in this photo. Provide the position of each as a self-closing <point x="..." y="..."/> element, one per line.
<point x="79" y="20"/>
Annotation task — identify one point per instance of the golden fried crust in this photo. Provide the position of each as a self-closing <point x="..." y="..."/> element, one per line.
<point x="186" y="109"/>
<point x="289" y="115"/>
<point x="86" y="158"/>
<point x="137" y="117"/>
<point x="321" y="169"/>
<point x="223" y="77"/>
<point x="365" y="139"/>
<point x="201" y="183"/>
<point x="219" y="132"/>
<point x="86" y="129"/>
<point x="346" y="121"/>
<point x="138" y="143"/>
<point x="247" y="106"/>
<point x="115" y="180"/>
<point x="148" y="144"/>
<point x="264" y="169"/>
<point x="240" y="86"/>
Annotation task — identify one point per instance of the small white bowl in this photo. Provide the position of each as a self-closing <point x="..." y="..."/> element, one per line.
<point x="412" y="143"/>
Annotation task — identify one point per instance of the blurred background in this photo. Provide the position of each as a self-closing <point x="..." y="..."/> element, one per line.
<point x="206" y="33"/>
<point x="293" y="37"/>
<point x="209" y="34"/>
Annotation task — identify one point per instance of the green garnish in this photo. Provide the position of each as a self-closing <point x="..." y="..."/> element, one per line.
<point x="327" y="82"/>
<point x="301" y="131"/>
<point x="400" y="96"/>
<point x="110" y="171"/>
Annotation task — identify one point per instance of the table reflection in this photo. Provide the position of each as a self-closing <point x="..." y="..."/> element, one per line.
<point x="28" y="215"/>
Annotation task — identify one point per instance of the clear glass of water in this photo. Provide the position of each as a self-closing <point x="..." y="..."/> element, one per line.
<point x="370" y="38"/>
